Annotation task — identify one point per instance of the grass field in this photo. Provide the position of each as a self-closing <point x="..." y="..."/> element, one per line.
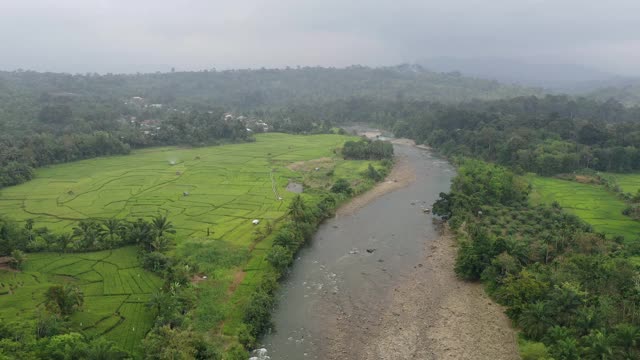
<point x="629" y="183"/>
<point x="215" y="190"/>
<point x="116" y="291"/>
<point x="595" y="205"/>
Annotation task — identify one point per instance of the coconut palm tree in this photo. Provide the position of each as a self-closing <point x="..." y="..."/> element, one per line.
<point x="110" y="230"/>
<point x="88" y="234"/>
<point x="162" y="225"/>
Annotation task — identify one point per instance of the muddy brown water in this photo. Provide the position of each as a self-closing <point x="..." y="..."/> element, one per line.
<point x="352" y="263"/>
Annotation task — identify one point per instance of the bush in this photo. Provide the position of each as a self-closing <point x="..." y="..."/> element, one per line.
<point x="280" y="258"/>
<point x="373" y="174"/>
<point x="342" y="186"/>
<point x="155" y="261"/>
<point x="258" y="313"/>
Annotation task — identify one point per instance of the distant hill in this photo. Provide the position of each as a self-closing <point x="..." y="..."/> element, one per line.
<point x="569" y="78"/>
<point x="627" y="92"/>
<point x="250" y="89"/>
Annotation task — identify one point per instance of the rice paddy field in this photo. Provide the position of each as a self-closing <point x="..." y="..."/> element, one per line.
<point x="629" y="183"/>
<point x="115" y="287"/>
<point x="595" y="205"/>
<point x="211" y="195"/>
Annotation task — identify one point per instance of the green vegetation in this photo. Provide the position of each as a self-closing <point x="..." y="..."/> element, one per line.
<point x="111" y="283"/>
<point x="365" y="149"/>
<point x="597" y="206"/>
<point x="191" y="212"/>
<point x="573" y="293"/>
<point x="628" y="183"/>
<point x="215" y="189"/>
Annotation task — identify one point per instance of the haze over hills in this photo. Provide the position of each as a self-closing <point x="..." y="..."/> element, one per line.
<point x="570" y="78"/>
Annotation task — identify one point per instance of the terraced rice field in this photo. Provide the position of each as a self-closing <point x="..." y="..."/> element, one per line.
<point x="115" y="287"/>
<point x="597" y="206"/>
<point x="211" y="195"/>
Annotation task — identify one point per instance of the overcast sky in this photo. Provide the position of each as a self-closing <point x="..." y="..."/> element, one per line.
<point x="151" y="35"/>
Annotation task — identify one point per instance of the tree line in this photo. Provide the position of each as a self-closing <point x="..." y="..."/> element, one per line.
<point x="547" y="135"/>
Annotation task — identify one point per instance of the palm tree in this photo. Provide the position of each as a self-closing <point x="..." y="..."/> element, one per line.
<point x="628" y="337"/>
<point x="160" y="244"/>
<point x="566" y="349"/>
<point x="162" y="225"/>
<point x="598" y="346"/>
<point x="158" y="301"/>
<point x="534" y="320"/>
<point x="64" y="299"/>
<point x="297" y="209"/>
<point x="111" y="230"/>
<point x="103" y="349"/>
<point x="64" y="240"/>
<point x="87" y="232"/>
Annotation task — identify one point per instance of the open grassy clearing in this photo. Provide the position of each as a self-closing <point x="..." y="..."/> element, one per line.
<point x="210" y="194"/>
<point x="629" y="183"/>
<point x="597" y="206"/>
<point x="113" y="284"/>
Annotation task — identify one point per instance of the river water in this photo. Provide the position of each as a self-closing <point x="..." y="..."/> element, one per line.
<point x="350" y="267"/>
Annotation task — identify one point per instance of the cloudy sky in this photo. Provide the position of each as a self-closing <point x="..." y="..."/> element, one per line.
<point x="151" y="35"/>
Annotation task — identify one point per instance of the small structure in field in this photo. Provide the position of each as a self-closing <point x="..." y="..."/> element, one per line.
<point x="172" y="162"/>
<point x="255" y="222"/>
<point x="426" y="210"/>
<point x="185" y="193"/>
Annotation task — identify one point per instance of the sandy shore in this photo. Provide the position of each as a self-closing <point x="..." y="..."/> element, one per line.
<point x="434" y="315"/>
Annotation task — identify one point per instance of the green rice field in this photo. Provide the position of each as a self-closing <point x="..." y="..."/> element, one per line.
<point x="115" y="287"/>
<point x="210" y="194"/>
<point x="595" y="205"/>
<point x="629" y="183"/>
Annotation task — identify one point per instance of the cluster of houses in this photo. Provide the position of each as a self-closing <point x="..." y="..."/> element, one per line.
<point x="152" y="126"/>
<point x="252" y="125"/>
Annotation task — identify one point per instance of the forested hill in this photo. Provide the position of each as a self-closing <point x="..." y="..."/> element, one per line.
<point x="250" y="89"/>
<point x="627" y="93"/>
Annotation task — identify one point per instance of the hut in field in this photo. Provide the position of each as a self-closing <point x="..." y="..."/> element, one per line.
<point x="255" y="222"/>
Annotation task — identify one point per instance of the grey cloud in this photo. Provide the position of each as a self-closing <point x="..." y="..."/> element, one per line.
<point x="146" y="35"/>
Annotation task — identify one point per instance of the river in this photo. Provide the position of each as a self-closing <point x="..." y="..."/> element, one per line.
<point x="353" y="262"/>
<point x="378" y="282"/>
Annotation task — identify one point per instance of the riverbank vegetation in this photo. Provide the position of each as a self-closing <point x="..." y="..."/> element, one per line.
<point x="572" y="291"/>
